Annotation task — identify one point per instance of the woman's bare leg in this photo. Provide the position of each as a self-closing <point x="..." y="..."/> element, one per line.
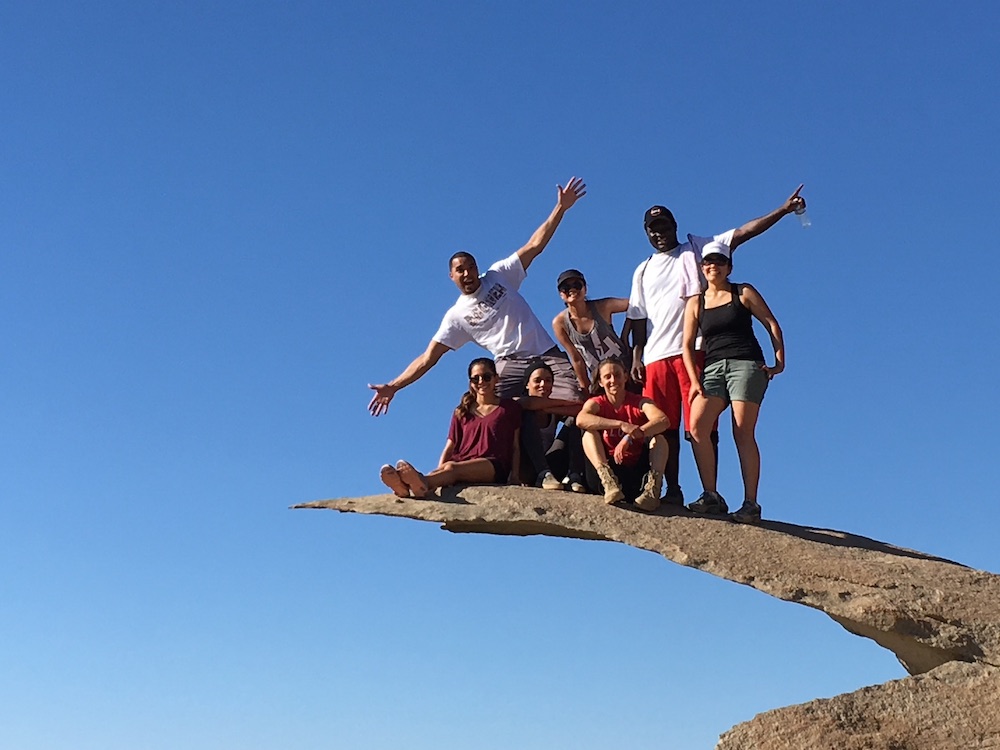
<point x="473" y="471"/>
<point x="745" y="415"/>
<point x="704" y="411"/>
<point x="593" y="449"/>
<point x="658" y="453"/>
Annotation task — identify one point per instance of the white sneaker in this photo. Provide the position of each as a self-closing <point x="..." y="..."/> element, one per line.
<point x="549" y="482"/>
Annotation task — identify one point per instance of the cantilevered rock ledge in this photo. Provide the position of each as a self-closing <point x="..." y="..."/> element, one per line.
<point x="941" y="619"/>
<point x="926" y="610"/>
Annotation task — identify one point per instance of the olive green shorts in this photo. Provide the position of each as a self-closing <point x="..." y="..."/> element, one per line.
<point x="735" y="380"/>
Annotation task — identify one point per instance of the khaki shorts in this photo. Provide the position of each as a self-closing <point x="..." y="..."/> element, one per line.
<point x="735" y="380"/>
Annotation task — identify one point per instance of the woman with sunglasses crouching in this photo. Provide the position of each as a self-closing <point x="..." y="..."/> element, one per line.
<point x="622" y="440"/>
<point x="734" y="374"/>
<point x="482" y="445"/>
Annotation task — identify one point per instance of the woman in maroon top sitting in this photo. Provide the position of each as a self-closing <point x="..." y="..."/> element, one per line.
<point x="622" y="440"/>
<point x="482" y="445"/>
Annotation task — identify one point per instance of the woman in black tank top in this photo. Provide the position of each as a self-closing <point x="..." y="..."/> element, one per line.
<point x="734" y="373"/>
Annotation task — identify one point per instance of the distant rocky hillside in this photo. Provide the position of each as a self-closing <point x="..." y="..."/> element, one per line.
<point x="940" y="619"/>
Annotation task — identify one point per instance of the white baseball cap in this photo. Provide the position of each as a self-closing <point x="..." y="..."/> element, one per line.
<point x="716" y="248"/>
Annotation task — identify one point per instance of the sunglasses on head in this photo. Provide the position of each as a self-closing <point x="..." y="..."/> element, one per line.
<point x="571" y="286"/>
<point x="486" y="377"/>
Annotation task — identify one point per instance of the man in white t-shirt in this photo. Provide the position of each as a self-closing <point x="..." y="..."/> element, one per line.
<point x="492" y="313"/>
<point x="661" y="286"/>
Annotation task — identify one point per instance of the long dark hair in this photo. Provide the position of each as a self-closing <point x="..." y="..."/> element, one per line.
<point x="464" y="407"/>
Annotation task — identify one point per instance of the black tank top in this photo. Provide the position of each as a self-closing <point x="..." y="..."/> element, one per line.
<point x="727" y="331"/>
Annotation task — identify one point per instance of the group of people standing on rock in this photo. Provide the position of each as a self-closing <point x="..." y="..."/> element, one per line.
<point x="526" y="417"/>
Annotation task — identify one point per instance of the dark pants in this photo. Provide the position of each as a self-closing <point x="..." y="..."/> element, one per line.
<point x="563" y="458"/>
<point x="629" y="477"/>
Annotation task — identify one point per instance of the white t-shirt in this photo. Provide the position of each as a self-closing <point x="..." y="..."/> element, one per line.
<point x="660" y="288"/>
<point x="496" y="316"/>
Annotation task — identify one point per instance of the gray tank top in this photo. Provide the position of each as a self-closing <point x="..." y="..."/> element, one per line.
<point x="601" y="342"/>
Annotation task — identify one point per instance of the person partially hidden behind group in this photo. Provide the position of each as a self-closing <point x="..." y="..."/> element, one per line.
<point x="483" y="439"/>
<point x="734" y="374"/>
<point x="623" y="440"/>
<point x="551" y="448"/>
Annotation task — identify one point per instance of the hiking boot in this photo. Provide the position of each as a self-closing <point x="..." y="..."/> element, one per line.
<point x="612" y="490"/>
<point x="547" y="481"/>
<point x="649" y="498"/>
<point x="709" y="504"/>
<point x="575" y="483"/>
<point x="673" y="496"/>
<point x="749" y="512"/>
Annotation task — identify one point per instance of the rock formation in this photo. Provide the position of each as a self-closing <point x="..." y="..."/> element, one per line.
<point x="940" y="619"/>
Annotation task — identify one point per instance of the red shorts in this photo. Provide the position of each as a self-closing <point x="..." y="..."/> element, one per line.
<point x="668" y="385"/>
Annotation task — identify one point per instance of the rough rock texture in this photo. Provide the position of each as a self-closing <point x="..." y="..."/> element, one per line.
<point x="928" y="611"/>
<point x="953" y="706"/>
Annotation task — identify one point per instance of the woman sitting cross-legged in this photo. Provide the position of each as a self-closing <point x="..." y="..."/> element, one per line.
<point x="622" y="440"/>
<point x="482" y="445"/>
<point x="550" y="440"/>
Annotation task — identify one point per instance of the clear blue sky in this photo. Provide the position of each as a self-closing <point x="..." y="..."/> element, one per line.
<point x="220" y="221"/>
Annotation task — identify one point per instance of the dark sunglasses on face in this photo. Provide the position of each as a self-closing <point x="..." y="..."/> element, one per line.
<point x="486" y="377"/>
<point x="717" y="261"/>
<point x="571" y="286"/>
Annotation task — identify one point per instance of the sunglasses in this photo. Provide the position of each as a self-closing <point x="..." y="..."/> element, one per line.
<point x="486" y="377"/>
<point x="716" y="260"/>
<point x="571" y="286"/>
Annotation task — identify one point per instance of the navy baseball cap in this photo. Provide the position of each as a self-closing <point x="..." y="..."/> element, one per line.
<point x="656" y="213"/>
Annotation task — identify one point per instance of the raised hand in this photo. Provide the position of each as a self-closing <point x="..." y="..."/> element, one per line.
<point x="380" y="401"/>
<point x="795" y="201"/>
<point x="575" y="189"/>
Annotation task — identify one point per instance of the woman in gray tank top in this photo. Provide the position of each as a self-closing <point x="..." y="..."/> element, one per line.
<point x="584" y="328"/>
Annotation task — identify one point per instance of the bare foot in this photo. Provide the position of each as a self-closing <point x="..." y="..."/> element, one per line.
<point x="414" y="479"/>
<point x="391" y="479"/>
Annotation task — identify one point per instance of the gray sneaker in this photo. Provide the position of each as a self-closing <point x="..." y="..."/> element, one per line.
<point x="749" y="512"/>
<point x="709" y="504"/>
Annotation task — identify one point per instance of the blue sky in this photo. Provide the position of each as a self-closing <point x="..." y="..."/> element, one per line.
<point x="219" y="223"/>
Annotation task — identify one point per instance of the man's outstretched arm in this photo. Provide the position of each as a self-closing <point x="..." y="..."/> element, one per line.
<point x="574" y="190"/>
<point x="760" y="225"/>
<point x="418" y="367"/>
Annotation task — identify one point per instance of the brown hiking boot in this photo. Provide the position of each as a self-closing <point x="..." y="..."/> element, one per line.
<point x="612" y="490"/>
<point x="649" y="498"/>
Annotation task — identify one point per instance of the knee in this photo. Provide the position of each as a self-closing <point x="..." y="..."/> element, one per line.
<point x="448" y="466"/>
<point x="658" y="444"/>
<point x="700" y="431"/>
<point x="743" y="435"/>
